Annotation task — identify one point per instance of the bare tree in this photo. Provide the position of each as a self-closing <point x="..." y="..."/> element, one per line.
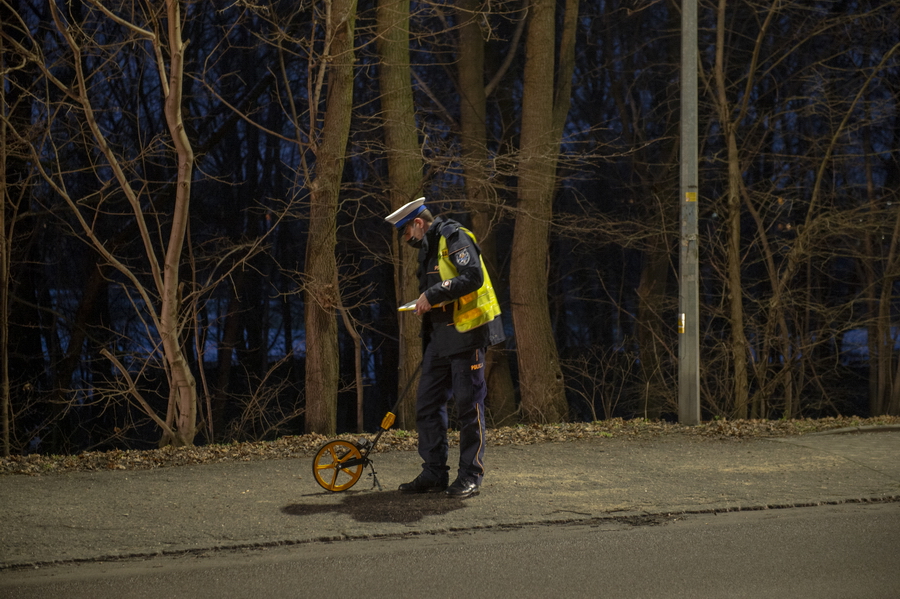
<point x="545" y="103"/>
<point x="649" y="134"/>
<point x="404" y="163"/>
<point x="7" y="200"/>
<point x="729" y="121"/>
<point x="322" y="292"/>
<point x="312" y="55"/>
<point x="6" y="236"/>
<point x="776" y="94"/>
<point x="161" y="36"/>
<point x="482" y="199"/>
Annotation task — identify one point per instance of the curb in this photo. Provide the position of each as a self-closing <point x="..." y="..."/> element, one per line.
<point x="875" y="428"/>
<point x="633" y="519"/>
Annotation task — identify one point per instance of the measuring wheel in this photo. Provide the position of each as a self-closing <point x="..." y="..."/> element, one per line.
<point x="338" y="465"/>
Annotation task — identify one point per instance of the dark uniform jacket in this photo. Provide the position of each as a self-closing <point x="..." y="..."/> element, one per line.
<point x="437" y="325"/>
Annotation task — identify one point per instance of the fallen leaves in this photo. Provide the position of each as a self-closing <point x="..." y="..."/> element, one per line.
<point x="399" y="440"/>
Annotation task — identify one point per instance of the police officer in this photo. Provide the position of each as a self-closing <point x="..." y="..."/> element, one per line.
<point x="460" y="319"/>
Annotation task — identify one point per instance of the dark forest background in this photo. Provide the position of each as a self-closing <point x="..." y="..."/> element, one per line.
<point x="193" y="199"/>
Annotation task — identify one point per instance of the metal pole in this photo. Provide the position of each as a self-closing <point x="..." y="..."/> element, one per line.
<point x="688" y="295"/>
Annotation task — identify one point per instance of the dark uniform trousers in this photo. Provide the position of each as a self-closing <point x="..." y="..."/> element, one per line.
<point x="462" y="376"/>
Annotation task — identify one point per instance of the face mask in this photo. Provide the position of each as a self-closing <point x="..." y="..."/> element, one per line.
<point x="412" y="241"/>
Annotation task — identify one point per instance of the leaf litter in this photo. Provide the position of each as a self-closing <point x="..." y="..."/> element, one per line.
<point x="400" y="440"/>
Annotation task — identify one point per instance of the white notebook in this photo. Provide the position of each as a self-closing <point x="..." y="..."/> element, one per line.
<point x="408" y="306"/>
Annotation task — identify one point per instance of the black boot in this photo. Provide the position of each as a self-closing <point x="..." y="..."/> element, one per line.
<point x="461" y="488"/>
<point x="421" y="484"/>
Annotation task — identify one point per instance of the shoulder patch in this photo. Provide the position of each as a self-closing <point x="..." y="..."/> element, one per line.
<point x="463" y="257"/>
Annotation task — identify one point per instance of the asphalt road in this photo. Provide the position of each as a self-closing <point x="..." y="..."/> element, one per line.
<point x="823" y="552"/>
<point x="111" y="514"/>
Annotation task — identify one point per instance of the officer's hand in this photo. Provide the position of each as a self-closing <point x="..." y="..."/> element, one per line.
<point x="422" y="305"/>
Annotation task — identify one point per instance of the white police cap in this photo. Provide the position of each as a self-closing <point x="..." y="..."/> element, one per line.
<point x="406" y="213"/>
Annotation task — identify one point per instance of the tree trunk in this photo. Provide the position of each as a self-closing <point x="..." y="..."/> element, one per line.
<point x="544" y="107"/>
<point x="481" y="199"/>
<point x="888" y="398"/>
<point x="230" y="333"/>
<point x="321" y="293"/>
<point x="735" y="288"/>
<point x="179" y="428"/>
<point x="182" y="382"/>
<point x="733" y="246"/>
<point x="405" y="174"/>
<point x="5" y="247"/>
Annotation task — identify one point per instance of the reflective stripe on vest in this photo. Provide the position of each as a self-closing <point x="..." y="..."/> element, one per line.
<point x="473" y="309"/>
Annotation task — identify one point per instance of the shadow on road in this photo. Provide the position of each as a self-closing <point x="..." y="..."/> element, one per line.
<point x="388" y="506"/>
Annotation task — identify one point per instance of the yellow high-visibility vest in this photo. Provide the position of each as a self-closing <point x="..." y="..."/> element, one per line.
<point x="473" y="309"/>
